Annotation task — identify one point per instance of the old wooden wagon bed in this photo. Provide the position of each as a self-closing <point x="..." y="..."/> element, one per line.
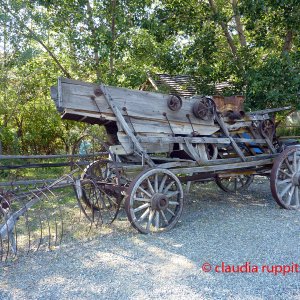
<point x="156" y="142"/>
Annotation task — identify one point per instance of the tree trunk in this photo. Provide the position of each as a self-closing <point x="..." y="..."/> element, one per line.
<point x="288" y="41"/>
<point x="92" y="28"/>
<point x="224" y="28"/>
<point x="239" y="26"/>
<point x="113" y="35"/>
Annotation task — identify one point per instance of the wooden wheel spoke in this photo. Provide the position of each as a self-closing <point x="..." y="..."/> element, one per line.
<point x="291" y="193"/>
<point x="164" y="217"/>
<point x="295" y="161"/>
<point x="156" y="183"/>
<point x="173" y="203"/>
<point x="172" y="194"/>
<point x="150" y="220"/>
<point x="235" y="184"/>
<point x="285" y="190"/>
<point x="145" y="192"/>
<point x="144" y="215"/>
<point x="142" y="199"/>
<point x="146" y="205"/>
<point x="162" y="184"/>
<point x="285" y="181"/>
<point x="287" y="163"/>
<point x="285" y="173"/>
<point x="150" y="187"/>
<point x="168" y="187"/>
<point x="170" y="211"/>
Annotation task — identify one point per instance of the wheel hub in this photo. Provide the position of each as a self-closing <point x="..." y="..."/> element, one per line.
<point x="159" y="201"/>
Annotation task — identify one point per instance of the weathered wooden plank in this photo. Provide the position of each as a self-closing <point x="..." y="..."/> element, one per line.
<point x="238" y="125"/>
<point x="217" y="168"/>
<point x="196" y="140"/>
<point x="268" y="110"/>
<point x="226" y="132"/>
<point x="147" y="125"/>
<point x="50" y="156"/>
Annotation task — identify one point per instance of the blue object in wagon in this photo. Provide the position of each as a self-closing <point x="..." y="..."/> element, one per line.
<point x="247" y="136"/>
<point x="84" y="147"/>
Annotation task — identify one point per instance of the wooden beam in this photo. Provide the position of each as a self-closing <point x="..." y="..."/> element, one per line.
<point x="126" y="128"/>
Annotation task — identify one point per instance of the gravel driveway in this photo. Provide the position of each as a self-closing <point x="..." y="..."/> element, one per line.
<point x="215" y="227"/>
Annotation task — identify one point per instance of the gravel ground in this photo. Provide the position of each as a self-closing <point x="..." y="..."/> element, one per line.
<point x="215" y="227"/>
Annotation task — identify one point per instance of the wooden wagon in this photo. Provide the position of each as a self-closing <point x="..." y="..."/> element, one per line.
<point x="156" y="142"/>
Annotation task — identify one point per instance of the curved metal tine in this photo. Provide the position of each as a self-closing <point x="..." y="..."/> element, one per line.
<point x="61" y="217"/>
<point x="15" y="241"/>
<point x="8" y="241"/>
<point x="62" y="223"/>
<point x="41" y="223"/>
<point x="80" y="205"/>
<point x="47" y="216"/>
<point x="97" y="205"/>
<point x="1" y="249"/>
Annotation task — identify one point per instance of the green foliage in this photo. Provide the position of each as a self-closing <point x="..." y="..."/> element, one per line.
<point x="118" y="41"/>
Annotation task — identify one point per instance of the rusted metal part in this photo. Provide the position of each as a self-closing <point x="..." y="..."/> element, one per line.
<point x="204" y="108"/>
<point x="229" y="104"/>
<point x="174" y="103"/>
<point x="267" y="129"/>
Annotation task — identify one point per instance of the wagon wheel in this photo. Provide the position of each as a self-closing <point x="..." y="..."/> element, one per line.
<point x="101" y="190"/>
<point x="267" y="129"/>
<point x="234" y="184"/>
<point x="285" y="178"/>
<point x="100" y="185"/>
<point x="154" y="201"/>
<point x="204" y="108"/>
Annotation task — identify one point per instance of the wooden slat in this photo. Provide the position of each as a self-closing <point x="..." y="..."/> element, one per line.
<point x="216" y="168"/>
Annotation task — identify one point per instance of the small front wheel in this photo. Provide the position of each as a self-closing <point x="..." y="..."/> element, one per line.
<point x="234" y="184"/>
<point x="154" y="201"/>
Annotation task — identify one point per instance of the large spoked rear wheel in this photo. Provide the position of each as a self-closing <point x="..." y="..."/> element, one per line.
<point x="285" y="178"/>
<point x="154" y="201"/>
<point x="234" y="184"/>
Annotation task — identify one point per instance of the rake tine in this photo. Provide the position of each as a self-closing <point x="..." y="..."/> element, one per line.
<point x="8" y="241"/>
<point x="28" y="229"/>
<point x="1" y="249"/>
<point x="47" y="216"/>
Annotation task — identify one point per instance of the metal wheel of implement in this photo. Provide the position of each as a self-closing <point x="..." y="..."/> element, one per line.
<point x="234" y="184"/>
<point x="174" y="103"/>
<point x="285" y="178"/>
<point x="154" y="201"/>
<point x="267" y="129"/>
<point x="204" y="108"/>
<point x="100" y="186"/>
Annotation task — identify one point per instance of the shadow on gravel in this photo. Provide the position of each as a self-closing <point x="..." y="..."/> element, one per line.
<point x="215" y="228"/>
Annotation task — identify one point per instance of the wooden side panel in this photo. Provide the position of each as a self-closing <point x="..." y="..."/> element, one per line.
<point x="144" y="110"/>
